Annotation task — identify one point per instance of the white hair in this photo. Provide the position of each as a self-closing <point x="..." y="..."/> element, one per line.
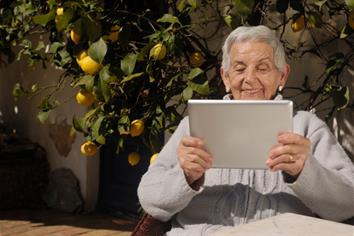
<point x="258" y="33"/>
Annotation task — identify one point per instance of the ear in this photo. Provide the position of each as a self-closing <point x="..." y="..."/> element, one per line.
<point x="284" y="75"/>
<point x="225" y="79"/>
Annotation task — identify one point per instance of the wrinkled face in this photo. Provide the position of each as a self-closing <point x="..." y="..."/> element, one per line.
<point x="252" y="73"/>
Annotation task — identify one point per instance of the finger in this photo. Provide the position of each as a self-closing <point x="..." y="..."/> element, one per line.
<point x="194" y="169"/>
<point x="202" y="153"/>
<point x="192" y="158"/>
<point x="292" y="138"/>
<point x="285" y="158"/>
<point x="289" y="168"/>
<point x="283" y="149"/>
<point x="189" y="141"/>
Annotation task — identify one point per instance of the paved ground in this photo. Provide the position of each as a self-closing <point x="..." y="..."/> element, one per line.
<point x="45" y="222"/>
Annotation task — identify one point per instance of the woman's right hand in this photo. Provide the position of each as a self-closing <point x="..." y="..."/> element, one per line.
<point x="193" y="158"/>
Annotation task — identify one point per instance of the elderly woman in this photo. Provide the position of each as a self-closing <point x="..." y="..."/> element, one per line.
<point x="308" y="171"/>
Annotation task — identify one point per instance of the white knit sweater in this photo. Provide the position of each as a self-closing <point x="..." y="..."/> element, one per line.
<point x="230" y="197"/>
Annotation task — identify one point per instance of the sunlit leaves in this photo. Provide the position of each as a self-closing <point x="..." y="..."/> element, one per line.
<point x="87" y="81"/>
<point x="18" y="90"/>
<point x="43" y="116"/>
<point x="131" y="76"/>
<point x="98" y="50"/>
<point x="127" y="65"/>
<point x="340" y="95"/>
<point x="131" y="83"/>
<point x="44" y="19"/>
<point x="169" y="19"/>
<point x="62" y="21"/>
<point x="194" y="73"/>
<point x="350" y="4"/>
<point x="187" y="93"/>
<point x="244" y="7"/>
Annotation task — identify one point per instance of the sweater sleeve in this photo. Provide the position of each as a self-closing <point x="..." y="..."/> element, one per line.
<point x="326" y="184"/>
<point x="163" y="189"/>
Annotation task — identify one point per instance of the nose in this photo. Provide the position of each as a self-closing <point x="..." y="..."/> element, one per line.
<point x="250" y="76"/>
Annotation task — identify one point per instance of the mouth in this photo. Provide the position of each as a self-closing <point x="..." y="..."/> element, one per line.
<point x="251" y="92"/>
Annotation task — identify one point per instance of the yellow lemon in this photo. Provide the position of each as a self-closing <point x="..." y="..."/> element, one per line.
<point x="88" y="148"/>
<point x="60" y="11"/>
<point x="133" y="158"/>
<point x="87" y="64"/>
<point x="85" y="98"/>
<point x="113" y="36"/>
<point x="153" y="158"/>
<point x="351" y="19"/>
<point x="136" y="128"/>
<point x="158" y="52"/>
<point x="196" y="59"/>
<point x="75" y="37"/>
<point x="298" y="24"/>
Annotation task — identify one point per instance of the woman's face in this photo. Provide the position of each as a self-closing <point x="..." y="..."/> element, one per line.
<point x="252" y="73"/>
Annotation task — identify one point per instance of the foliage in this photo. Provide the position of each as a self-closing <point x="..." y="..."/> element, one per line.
<point x="143" y="60"/>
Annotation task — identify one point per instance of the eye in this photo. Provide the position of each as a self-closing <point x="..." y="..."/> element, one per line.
<point x="239" y="69"/>
<point x="263" y="68"/>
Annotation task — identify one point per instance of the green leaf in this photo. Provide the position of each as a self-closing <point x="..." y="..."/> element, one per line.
<point x="43" y="116"/>
<point x="320" y="3"/>
<point x="98" y="50"/>
<point x="340" y="97"/>
<point x="90" y="115"/>
<point x="244" y="7"/>
<point x="87" y="81"/>
<point x="34" y="88"/>
<point x="174" y="78"/>
<point x="350" y="3"/>
<point x="92" y="29"/>
<point x="314" y="19"/>
<point x="120" y="145"/>
<point x="202" y="89"/>
<point x="346" y="31"/>
<point x="168" y="18"/>
<point x="97" y="125"/>
<point x="181" y="4"/>
<point x="127" y="65"/>
<point x="130" y="77"/>
<point x="44" y="19"/>
<point x="55" y="46"/>
<point x="65" y="57"/>
<point x="18" y="90"/>
<point x="105" y="75"/>
<point x="78" y="124"/>
<point x="187" y="93"/>
<point x="101" y="139"/>
<point x="335" y="63"/>
<point x="194" y="73"/>
<point x="61" y="22"/>
<point x="104" y="90"/>
<point x="228" y="20"/>
<point x="193" y="3"/>
<point x="40" y="46"/>
<point x="123" y="124"/>
<point x="51" y="3"/>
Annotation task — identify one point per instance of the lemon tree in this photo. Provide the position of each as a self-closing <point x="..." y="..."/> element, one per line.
<point x="134" y="64"/>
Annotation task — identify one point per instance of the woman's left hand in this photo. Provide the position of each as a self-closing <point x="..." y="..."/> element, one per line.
<point x="290" y="154"/>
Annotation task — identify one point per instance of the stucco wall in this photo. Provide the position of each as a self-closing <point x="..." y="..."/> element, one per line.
<point x="27" y="125"/>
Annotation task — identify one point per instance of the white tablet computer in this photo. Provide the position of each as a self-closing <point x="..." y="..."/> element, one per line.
<point x="239" y="133"/>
